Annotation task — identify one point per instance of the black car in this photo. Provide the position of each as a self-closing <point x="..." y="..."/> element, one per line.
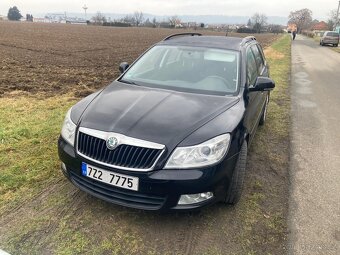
<point x="172" y="132"/>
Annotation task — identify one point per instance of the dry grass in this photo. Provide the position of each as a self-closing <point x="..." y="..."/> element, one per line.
<point x="273" y="54"/>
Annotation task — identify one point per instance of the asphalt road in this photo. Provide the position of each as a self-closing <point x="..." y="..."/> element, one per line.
<point x="314" y="215"/>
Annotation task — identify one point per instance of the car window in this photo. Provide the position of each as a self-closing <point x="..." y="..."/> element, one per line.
<point x="189" y="69"/>
<point x="252" y="70"/>
<point x="261" y="51"/>
<point x="332" y="34"/>
<point x="258" y="59"/>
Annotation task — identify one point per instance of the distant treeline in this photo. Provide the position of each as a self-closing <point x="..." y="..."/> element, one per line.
<point x="276" y="29"/>
<point x="246" y="30"/>
<point x="116" y="24"/>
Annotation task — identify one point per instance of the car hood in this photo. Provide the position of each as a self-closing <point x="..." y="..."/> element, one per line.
<point x="156" y="115"/>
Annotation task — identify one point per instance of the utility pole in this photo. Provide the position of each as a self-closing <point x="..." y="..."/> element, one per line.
<point x="337" y="16"/>
<point x="85" y="9"/>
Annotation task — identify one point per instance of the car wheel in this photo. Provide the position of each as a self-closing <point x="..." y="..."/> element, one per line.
<point x="264" y="113"/>
<point x="237" y="180"/>
<point x="336" y="45"/>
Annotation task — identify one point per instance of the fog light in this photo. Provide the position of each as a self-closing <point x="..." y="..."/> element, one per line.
<point x="194" y="198"/>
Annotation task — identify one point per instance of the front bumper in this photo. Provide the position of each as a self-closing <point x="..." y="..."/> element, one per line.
<point x="158" y="189"/>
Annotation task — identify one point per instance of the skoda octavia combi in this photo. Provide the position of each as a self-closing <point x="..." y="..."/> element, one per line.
<point x="172" y="132"/>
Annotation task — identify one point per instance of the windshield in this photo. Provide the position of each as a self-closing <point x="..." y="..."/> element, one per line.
<point x="189" y="69"/>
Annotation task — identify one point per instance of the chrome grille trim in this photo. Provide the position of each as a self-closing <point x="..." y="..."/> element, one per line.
<point x="123" y="140"/>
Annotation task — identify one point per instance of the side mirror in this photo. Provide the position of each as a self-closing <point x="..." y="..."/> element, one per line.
<point x="263" y="84"/>
<point x="123" y="66"/>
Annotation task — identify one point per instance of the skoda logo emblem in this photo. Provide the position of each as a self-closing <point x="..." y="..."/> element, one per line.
<point x="112" y="143"/>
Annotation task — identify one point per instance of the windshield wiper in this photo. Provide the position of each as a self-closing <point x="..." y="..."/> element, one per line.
<point x="128" y="82"/>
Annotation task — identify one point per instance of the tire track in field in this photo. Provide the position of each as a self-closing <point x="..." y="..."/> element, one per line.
<point x="12" y="211"/>
<point x="180" y="233"/>
<point x="38" y="207"/>
<point x="74" y="202"/>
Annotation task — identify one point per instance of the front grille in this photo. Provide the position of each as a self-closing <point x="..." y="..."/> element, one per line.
<point x="126" y="156"/>
<point x="117" y="196"/>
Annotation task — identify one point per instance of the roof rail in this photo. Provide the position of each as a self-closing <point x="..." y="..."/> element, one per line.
<point x="247" y="39"/>
<point x="181" y="34"/>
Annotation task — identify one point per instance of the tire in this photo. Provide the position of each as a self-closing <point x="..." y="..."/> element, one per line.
<point x="336" y="45"/>
<point x="237" y="180"/>
<point x="264" y="112"/>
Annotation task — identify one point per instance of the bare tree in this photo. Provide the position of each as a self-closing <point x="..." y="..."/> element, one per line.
<point x="138" y="18"/>
<point x="333" y="19"/>
<point x="275" y="29"/>
<point x="99" y="18"/>
<point x="259" y="20"/>
<point x="128" y="19"/>
<point x="174" y="20"/>
<point x="154" y="22"/>
<point x="302" y="18"/>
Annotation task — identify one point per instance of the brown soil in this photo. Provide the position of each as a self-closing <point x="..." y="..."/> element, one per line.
<point x="59" y="58"/>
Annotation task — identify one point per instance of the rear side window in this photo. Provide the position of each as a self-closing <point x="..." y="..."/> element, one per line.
<point x="252" y="70"/>
<point x="332" y="34"/>
<point x="258" y="58"/>
<point x="261" y="51"/>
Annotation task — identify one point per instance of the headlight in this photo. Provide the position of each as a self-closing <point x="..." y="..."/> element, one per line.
<point x="204" y="154"/>
<point x="69" y="128"/>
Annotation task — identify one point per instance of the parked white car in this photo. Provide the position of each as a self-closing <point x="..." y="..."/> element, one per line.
<point x="330" y="37"/>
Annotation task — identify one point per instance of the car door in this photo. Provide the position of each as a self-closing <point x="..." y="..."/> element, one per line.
<point x="255" y="67"/>
<point x="262" y="70"/>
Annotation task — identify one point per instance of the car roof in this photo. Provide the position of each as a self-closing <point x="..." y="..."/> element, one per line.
<point x="219" y="42"/>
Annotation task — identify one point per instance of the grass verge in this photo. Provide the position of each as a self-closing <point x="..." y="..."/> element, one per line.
<point x="265" y="207"/>
<point x="28" y="150"/>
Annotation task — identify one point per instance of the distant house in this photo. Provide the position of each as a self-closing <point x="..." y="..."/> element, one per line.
<point x="3" y="17"/>
<point x="192" y="24"/>
<point x="76" y="22"/>
<point x="42" y="20"/>
<point x="320" y="28"/>
<point x="178" y="23"/>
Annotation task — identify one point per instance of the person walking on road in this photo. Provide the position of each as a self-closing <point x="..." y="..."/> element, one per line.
<point x="294" y="34"/>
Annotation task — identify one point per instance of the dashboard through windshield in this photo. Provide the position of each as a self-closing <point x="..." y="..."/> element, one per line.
<point x="189" y="69"/>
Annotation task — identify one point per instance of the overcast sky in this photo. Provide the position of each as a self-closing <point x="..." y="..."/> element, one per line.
<point x="320" y="8"/>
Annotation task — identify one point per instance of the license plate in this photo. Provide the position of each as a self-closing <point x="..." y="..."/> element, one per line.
<point x="111" y="178"/>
